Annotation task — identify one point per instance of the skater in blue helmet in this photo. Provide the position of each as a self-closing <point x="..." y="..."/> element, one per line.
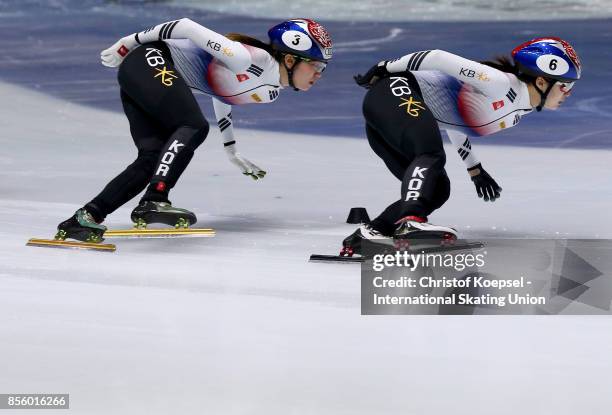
<point x="158" y="70"/>
<point x="411" y="99"/>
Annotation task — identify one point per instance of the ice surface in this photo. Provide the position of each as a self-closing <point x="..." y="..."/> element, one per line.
<point x="242" y="323"/>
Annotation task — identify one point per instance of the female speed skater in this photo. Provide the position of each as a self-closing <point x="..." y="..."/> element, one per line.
<point x="158" y="69"/>
<point x="412" y="98"/>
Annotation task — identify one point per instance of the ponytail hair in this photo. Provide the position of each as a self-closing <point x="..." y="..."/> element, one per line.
<point x="251" y="41"/>
<point x="505" y="64"/>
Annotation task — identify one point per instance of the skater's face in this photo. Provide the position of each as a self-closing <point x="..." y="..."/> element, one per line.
<point x="558" y="94"/>
<point x="305" y="73"/>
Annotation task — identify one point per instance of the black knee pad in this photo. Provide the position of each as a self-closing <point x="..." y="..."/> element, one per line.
<point x="201" y="134"/>
<point x="192" y="137"/>
<point x="177" y="153"/>
<point x="437" y="159"/>
<point x="443" y="189"/>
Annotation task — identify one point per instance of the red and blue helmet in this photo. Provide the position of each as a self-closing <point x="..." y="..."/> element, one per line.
<point x="549" y="57"/>
<point x="302" y="37"/>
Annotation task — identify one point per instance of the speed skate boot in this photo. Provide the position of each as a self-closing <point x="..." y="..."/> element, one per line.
<point x="364" y="235"/>
<point x="149" y="211"/>
<point x="82" y="227"/>
<point x="415" y="230"/>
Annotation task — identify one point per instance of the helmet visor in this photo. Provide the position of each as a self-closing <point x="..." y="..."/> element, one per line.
<point x="566" y="87"/>
<point x="317" y="65"/>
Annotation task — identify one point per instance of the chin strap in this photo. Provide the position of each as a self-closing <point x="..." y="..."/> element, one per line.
<point x="543" y="94"/>
<point x="290" y="71"/>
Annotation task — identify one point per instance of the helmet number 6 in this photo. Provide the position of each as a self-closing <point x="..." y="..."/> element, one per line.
<point x="553" y="64"/>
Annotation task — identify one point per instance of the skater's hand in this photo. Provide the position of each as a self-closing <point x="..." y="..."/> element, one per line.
<point x="248" y="168"/>
<point x="486" y="187"/>
<point x="113" y="56"/>
<point x="372" y="75"/>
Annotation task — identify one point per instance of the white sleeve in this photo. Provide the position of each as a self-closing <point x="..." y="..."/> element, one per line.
<point x="490" y="81"/>
<point x="223" y="113"/>
<point x="231" y="53"/>
<point x="462" y="144"/>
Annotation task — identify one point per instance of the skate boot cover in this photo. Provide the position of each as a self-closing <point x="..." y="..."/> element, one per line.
<point x="354" y="243"/>
<point x="416" y="227"/>
<point x="82" y="227"/>
<point x="161" y="212"/>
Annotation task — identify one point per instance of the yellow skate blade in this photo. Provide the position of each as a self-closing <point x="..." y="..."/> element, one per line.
<point x="54" y="243"/>
<point x="159" y="233"/>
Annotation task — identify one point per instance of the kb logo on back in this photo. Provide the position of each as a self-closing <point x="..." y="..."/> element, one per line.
<point x="399" y="86"/>
<point x="154" y="59"/>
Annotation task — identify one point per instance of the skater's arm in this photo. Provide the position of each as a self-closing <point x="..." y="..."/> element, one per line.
<point x="486" y="187"/>
<point x="231" y="53"/>
<point x="463" y="146"/>
<point x="223" y="113"/>
<point x="489" y="80"/>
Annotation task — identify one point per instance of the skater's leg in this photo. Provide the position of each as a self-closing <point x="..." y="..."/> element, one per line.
<point x="396" y="110"/>
<point x="149" y="138"/>
<point x="174" y="158"/>
<point x="159" y="106"/>
<point x="85" y="225"/>
<point x="385" y="222"/>
<point x="153" y="82"/>
<point x="404" y="133"/>
<point x="442" y="192"/>
<point x="433" y="194"/>
<point x="395" y="161"/>
<point x="408" y="221"/>
<point x="420" y="184"/>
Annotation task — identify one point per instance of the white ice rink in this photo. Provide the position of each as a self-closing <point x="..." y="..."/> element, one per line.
<point x="242" y="323"/>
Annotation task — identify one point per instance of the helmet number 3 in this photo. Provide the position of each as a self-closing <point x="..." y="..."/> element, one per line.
<point x="552" y="64"/>
<point x="296" y="40"/>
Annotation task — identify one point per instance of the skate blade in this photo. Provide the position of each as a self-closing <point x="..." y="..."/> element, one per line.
<point x="460" y="245"/>
<point x="159" y="233"/>
<point x="336" y="258"/>
<point x="54" y="243"/>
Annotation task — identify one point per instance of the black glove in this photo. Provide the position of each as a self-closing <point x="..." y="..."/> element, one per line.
<point x="485" y="185"/>
<point x="373" y="75"/>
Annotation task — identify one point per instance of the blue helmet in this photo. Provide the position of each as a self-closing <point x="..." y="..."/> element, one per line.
<point x="302" y="37"/>
<point x="549" y="57"/>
